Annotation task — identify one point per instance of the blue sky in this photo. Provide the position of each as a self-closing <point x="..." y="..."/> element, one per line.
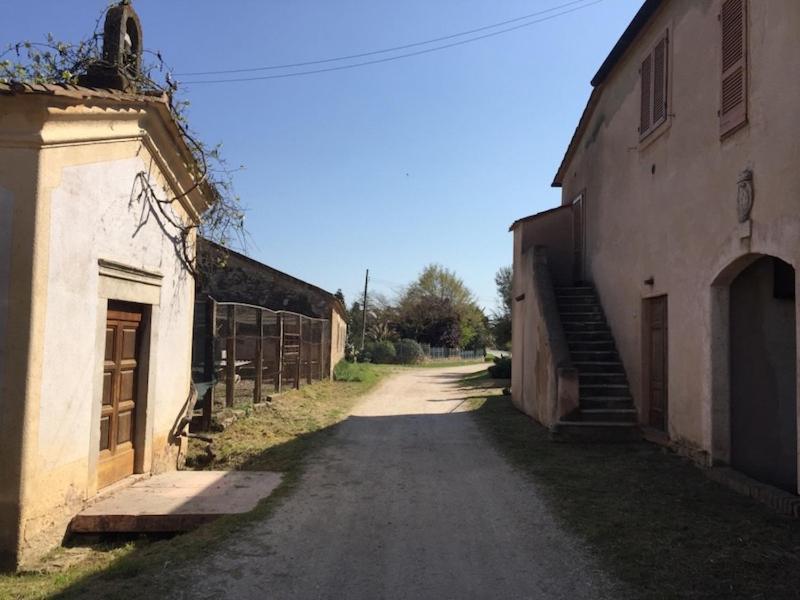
<point x="389" y="166"/>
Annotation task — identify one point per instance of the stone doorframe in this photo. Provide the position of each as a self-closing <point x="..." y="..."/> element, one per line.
<point x="118" y="281"/>
<point x="720" y="354"/>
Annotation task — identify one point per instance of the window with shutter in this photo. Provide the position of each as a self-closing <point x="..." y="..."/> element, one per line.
<point x="653" y="79"/>
<point x="733" y="94"/>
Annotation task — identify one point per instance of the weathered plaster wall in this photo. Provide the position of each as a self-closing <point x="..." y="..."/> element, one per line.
<point x="94" y="215"/>
<point x="6" y="224"/>
<point x="18" y="178"/>
<point x="553" y="230"/>
<point x="666" y="207"/>
<point x="544" y="384"/>
<point x="338" y="338"/>
<point x="68" y="159"/>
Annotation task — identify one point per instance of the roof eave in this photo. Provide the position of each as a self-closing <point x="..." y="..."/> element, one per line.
<point x="637" y="24"/>
<point x="538" y="215"/>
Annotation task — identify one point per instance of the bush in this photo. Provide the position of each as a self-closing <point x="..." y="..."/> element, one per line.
<point x="382" y="353"/>
<point x="501" y="369"/>
<point x="409" y="352"/>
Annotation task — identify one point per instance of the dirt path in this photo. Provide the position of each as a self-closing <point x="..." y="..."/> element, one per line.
<point x="407" y="500"/>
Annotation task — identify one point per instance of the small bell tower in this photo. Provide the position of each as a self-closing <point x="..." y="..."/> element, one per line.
<point x="121" y="64"/>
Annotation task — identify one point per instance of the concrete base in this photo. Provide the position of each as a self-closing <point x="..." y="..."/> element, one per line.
<point x="778" y="500"/>
<point x="176" y="501"/>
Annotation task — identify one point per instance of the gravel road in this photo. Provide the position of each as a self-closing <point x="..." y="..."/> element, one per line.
<point x="408" y="499"/>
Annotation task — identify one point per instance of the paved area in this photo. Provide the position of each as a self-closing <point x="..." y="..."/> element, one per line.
<point x="407" y="500"/>
<point x="176" y="501"/>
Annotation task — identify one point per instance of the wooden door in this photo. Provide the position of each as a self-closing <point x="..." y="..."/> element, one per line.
<point x="578" y="239"/>
<point x="656" y="361"/>
<point x="120" y="393"/>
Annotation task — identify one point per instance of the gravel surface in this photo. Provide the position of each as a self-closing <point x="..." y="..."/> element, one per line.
<point x="408" y="499"/>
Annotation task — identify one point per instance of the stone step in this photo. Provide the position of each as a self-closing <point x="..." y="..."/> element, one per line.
<point x="580" y="309"/>
<point x="564" y="306"/>
<point x="583" y="318"/>
<point x="599" y="367"/>
<point x="589" y="336"/>
<point x="577" y="300"/>
<point x="594" y="378"/>
<point x="580" y="290"/>
<point x="585" y="326"/>
<point x="595" y="431"/>
<point x="591" y="345"/>
<point x="606" y="415"/>
<point x="581" y="356"/>
<point x="606" y="402"/>
<point x="596" y="389"/>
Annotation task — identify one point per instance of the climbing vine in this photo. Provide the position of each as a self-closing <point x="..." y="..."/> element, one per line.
<point x="58" y="62"/>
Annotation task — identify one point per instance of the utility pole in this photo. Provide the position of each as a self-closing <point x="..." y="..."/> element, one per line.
<point x="364" y="316"/>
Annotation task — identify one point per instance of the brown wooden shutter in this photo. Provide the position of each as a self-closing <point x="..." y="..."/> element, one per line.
<point x="660" y="82"/>
<point x="653" y="81"/>
<point x="646" y="84"/>
<point x="733" y="96"/>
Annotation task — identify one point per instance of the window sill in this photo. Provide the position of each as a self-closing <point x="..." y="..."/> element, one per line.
<point x="655" y="134"/>
<point x="723" y="137"/>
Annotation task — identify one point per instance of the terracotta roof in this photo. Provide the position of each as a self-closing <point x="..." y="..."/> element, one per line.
<point x="81" y="92"/>
<point x="537" y="215"/>
<point x="640" y="20"/>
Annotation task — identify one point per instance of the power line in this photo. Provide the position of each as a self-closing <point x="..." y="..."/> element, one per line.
<point x="391" y="58"/>
<point x="382" y="51"/>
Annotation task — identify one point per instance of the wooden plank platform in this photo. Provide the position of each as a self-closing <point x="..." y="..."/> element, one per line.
<point x="175" y="502"/>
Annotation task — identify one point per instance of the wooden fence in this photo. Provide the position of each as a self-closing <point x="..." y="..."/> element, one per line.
<point x="243" y="352"/>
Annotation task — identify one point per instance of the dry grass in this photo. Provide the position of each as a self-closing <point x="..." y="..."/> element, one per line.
<point x="653" y="519"/>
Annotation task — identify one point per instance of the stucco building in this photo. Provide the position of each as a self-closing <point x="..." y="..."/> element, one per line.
<point x="661" y="293"/>
<point x="96" y="297"/>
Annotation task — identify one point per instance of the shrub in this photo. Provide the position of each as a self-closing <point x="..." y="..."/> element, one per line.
<point x="501" y="369"/>
<point x="382" y="352"/>
<point x="409" y="352"/>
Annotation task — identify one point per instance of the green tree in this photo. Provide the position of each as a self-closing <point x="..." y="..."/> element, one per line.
<point x="501" y="318"/>
<point x="438" y="309"/>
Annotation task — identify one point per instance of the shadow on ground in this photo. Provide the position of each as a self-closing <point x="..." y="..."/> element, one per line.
<point x="147" y="569"/>
<point x="651" y="519"/>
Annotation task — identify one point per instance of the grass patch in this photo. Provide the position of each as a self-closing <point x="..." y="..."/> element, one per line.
<point x="276" y="438"/>
<point x="653" y="520"/>
<point x="359" y="372"/>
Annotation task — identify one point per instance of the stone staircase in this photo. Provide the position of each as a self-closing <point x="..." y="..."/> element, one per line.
<point x="606" y="411"/>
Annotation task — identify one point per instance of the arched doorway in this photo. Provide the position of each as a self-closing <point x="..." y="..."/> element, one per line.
<point x="763" y="373"/>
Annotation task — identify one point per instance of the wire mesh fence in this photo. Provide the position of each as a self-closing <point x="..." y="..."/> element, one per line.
<point x="243" y="352"/>
<point x="437" y="353"/>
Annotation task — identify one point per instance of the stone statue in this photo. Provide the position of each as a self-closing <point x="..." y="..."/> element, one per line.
<point x="744" y="197"/>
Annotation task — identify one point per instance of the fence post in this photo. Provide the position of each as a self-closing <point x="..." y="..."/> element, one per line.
<point x="230" y="356"/>
<point x="259" y="357"/>
<point x="322" y="360"/>
<point x="299" y="353"/>
<point x="310" y="354"/>
<point x="279" y="353"/>
<point x="209" y="373"/>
